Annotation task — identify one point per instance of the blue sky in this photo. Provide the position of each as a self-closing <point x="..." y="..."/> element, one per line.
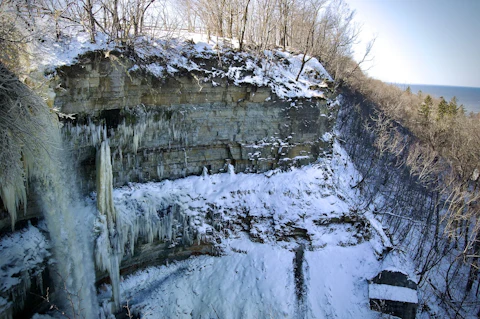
<point x="422" y="41"/>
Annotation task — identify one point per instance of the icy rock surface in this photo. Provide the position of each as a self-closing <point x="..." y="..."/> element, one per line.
<point x="24" y="257"/>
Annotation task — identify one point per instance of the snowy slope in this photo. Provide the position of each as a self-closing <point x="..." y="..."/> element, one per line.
<point x="254" y="282"/>
<point x="257" y="274"/>
<point x="257" y="281"/>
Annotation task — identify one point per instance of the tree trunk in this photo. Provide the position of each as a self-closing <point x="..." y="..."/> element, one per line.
<point x="230" y="22"/>
<point x="115" y="21"/>
<point x="244" y="25"/>
<point x="91" y="20"/>
<point x="304" y="61"/>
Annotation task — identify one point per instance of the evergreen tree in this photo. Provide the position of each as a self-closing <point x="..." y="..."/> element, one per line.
<point x="408" y="90"/>
<point x="452" y="107"/>
<point x="442" y="108"/>
<point x="426" y="108"/>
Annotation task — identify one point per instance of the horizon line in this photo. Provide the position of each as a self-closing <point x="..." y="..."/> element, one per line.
<point x="424" y="84"/>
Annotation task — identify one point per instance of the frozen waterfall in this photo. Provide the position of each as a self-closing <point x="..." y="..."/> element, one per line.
<point x="109" y="247"/>
<point x="69" y="224"/>
<point x="31" y="150"/>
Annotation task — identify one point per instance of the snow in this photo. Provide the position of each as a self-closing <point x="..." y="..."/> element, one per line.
<point x="337" y="281"/>
<point x="253" y="281"/>
<point x="256" y="281"/>
<point x="275" y="69"/>
<point x="327" y="137"/>
<point x="393" y="293"/>
<point x="274" y="198"/>
<point x="254" y="276"/>
<point x="170" y="55"/>
<point x="49" y="53"/>
<point x="24" y="254"/>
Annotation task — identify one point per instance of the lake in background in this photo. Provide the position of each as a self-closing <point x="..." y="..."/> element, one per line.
<point x="468" y="96"/>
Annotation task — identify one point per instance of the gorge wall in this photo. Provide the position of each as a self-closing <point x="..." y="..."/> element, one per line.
<point x="175" y="126"/>
<point x="167" y="128"/>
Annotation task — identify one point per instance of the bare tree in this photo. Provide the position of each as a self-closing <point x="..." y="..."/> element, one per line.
<point x="285" y="12"/>
<point x="308" y="28"/>
<point x="244" y="25"/>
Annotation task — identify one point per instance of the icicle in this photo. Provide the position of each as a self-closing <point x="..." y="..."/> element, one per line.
<point x="13" y="196"/>
<point x="135" y="143"/>
<point x="185" y="158"/>
<point x="105" y="184"/>
<point x="204" y="172"/>
<point x="231" y="169"/>
<point x="6" y="308"/>
<point x="39" y="282"/>
<point x="109" y="244"/>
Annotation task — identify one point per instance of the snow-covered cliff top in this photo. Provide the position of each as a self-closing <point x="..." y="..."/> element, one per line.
<point x="187" y="53"/>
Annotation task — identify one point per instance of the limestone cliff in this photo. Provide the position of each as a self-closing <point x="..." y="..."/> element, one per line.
<point x="174" y="126"/>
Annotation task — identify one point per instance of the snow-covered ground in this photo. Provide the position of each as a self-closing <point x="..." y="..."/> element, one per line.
<point x="257" y="281"/>
<point x="257" y="275"/>
<point x="24" y="255"/>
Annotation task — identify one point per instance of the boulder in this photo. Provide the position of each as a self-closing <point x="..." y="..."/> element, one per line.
<point x="392" y="292"/>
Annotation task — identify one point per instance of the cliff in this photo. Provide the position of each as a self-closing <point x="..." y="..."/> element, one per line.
<point x="170" y="125"/>
<point x="174" y="126"/>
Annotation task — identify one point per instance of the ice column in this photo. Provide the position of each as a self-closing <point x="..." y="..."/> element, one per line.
<point x="109" y="245"/>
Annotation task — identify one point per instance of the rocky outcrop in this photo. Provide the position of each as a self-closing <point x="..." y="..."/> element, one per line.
<point x="173" y="127"/>
<point x="392" y="292"/>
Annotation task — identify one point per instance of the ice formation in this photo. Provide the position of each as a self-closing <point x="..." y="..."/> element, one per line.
<point x="105" y="185"/>
<point x="38" y="154"/>
<point x="24" y="257"/>
<point x="117" y="233"/>
<point x="280" y="209"/>
<point x="108" y="252"/>
<point x="120" y="226"/>
<point x="69" y="224"/>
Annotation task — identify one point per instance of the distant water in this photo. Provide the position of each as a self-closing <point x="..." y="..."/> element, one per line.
<point x="468" y="96"/>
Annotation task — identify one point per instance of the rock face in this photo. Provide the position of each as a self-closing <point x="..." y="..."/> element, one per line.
<point x="391" y="292"/>
<point x="174" y="127"/>
<point x="168" y="128"/>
